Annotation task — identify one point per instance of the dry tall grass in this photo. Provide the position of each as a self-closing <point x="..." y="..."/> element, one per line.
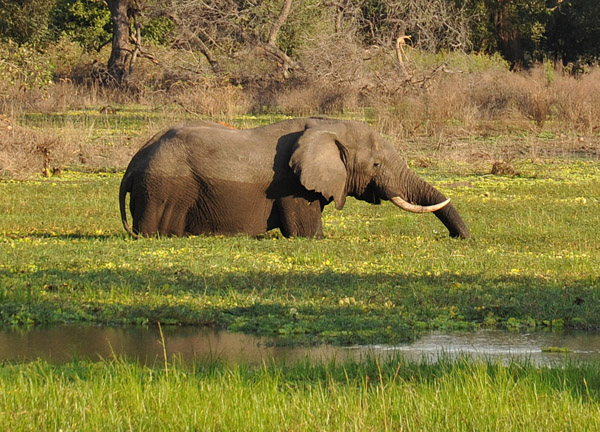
<point x="26" y="150"/>
<point x="428" y="104"/>
<point x="563" y="103"/>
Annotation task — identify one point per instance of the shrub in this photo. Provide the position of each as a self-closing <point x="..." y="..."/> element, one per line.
<point x="25" y="151"/>
<point x="24" y="66"/>
<point x="577" y="101"/>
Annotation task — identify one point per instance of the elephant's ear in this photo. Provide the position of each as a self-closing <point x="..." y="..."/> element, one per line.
<point x="317" y="161"/>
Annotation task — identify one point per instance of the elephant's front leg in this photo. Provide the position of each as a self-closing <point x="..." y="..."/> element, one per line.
<point x="300" y="217"/>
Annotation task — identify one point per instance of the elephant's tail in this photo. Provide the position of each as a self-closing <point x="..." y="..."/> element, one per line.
<point x="125" y="187"/>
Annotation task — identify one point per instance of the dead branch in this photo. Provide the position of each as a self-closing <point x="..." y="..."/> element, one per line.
<point x="400" y="54"/>
<point x="283" y="15"/>
<point x="271" y="47"/>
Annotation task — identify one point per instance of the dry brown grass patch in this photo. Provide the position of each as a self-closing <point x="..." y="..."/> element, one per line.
<point x="207" y="99"/>
<point x="577" y="101"/>
<point x="28" y="151"/>
<point x="25" y="151"/>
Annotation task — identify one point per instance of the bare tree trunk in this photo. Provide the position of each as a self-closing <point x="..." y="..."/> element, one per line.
<point x="210" y="58"/>
<point x="136" y="37"/>
<point x="120" y="53"/>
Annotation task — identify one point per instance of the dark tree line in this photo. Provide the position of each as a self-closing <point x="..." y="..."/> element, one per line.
<point x="522" y="31"/>
<point x="528" y="31"/>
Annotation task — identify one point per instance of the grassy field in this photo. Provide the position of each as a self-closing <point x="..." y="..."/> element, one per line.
<point x="380" y="275"/>
<point x="368" y="396"/>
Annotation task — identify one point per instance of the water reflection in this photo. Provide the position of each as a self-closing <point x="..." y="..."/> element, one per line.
<point x="503" y="345"/>
<point x="63" y="344"/>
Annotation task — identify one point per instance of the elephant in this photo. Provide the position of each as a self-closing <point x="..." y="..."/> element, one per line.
<point x="200" y="177"/>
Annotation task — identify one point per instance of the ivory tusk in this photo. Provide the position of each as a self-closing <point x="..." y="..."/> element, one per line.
<point x="414" y="208"/>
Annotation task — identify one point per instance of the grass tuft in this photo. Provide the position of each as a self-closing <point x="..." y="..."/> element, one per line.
<point x="370" y="395"/>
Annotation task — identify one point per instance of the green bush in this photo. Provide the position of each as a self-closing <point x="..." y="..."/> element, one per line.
<point x="24" y="66"/>
<point x="87" y="22"/>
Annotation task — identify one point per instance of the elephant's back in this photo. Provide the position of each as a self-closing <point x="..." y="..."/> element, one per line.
<point x="207" y="151"/>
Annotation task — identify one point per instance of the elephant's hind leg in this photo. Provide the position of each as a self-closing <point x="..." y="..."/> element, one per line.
<point x="163" y="219"/>
<point x="144" y="214"/>
<point x="299" y="217"/>
<point x="152" y="216"/>
<point x="162" y="205"/>
<point x="172" y="221"/>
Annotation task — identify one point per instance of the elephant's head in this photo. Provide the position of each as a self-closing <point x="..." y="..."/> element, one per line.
<point x="340" y="158"/>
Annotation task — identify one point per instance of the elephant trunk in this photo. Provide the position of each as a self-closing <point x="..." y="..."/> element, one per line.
<point x="452" y="220"/>
<point x="425" y="194"/>
<point x="416" y="190"/>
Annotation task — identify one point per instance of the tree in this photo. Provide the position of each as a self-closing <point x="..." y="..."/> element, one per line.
<point x="517" y="29"/>
<point x="432" y="24"/>
<point x="122" y="56"/>
<point x="87" y="22"/>
<point x="224" y="29"/>
<point x="25" y="21"/>
<point x="574" y="31"/>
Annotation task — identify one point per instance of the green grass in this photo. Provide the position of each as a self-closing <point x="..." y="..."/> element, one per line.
<point x="367" y="396"/>
<point x="380" y="275"/>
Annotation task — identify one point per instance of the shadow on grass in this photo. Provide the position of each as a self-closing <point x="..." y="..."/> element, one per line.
<point x="328" y="306"/>
<point x="71" y="236"/>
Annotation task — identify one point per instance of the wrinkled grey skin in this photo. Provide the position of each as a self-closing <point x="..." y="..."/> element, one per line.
<point x="200" y="177"/>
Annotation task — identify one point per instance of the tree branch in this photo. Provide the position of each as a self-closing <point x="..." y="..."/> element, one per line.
<point x="271" y="47"/>
<point x="283" y="16"/>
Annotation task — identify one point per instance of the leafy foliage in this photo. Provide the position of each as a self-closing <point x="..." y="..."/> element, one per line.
<point x="24" y="66"/>
<point x="26" y="21"/>
<point x="85" y="21"/>
<point x="575" y="31"/>
<point x="231" y="33"/>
